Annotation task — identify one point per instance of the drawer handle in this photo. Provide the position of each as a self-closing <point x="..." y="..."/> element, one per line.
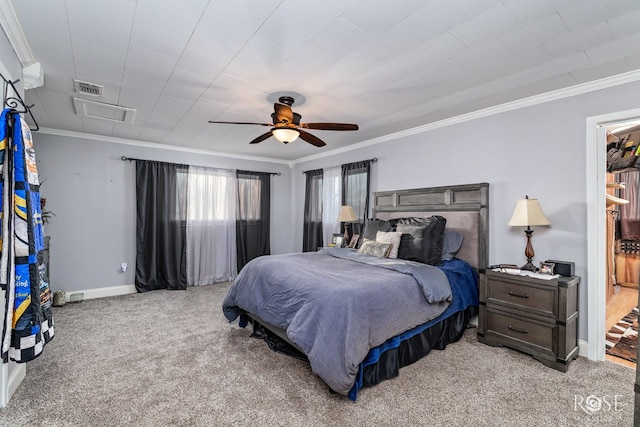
<point x="522" y="331"/>
<point x="513" y="294"/>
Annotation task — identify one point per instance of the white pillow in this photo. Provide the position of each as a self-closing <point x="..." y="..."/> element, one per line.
<point x="392" y="237"/>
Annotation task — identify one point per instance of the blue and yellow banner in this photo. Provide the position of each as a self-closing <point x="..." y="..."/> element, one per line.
<point x="28" y="322"/>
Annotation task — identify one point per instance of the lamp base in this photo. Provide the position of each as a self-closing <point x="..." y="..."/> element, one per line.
<point x="529" y="266"/>
<point x="345" y="240"/>
<point x="528" y="252"/>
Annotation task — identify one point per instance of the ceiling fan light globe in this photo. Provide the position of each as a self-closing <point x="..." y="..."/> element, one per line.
<point x="285" y="135"/>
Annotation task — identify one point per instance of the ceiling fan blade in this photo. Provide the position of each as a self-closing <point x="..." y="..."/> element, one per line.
<point x="261" y="138"/>
<point x="240" y="123"/>
<point x="311" y="139"/>
<point x="283" y="113"/>
<point x="329" y="126"/>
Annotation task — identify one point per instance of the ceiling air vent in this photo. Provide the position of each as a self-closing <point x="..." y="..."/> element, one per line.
<point x="101" y="110"/>
<point x="86" y="88"/>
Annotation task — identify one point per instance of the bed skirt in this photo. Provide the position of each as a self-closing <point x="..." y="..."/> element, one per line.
<point x="403" y="352"/>
<point x="384" y="362"/>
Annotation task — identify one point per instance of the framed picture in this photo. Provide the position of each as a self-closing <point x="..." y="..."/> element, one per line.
<point x="547" y="267"/>
<point x="354" y="240"/>
<point x="337" y="240"/>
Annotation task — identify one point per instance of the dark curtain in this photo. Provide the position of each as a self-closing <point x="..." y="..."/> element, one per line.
<point x="253" y="216"/>
<point x="161" y="226"/>
<point x="312" y="231"/>
<point x="355" y="192"/>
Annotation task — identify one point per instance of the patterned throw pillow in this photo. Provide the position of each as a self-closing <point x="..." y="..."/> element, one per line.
<point x="378" y="249"/>
<point x="392" y="237"/>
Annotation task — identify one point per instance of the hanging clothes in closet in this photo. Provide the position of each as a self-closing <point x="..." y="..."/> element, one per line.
<point x="28" y="322"/>
<point x="628" y="244"/>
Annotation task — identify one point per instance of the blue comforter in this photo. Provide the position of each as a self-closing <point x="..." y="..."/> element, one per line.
<point x="336" y="304"/>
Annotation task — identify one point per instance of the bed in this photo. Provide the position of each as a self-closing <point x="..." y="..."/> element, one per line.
<point x="357" y="316"/>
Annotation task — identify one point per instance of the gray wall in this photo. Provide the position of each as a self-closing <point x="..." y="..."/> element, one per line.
<point x="92" y="193"/>
<point x="537" y="151"/>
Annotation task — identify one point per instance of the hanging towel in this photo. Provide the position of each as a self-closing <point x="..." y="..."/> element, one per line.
<point x="28" y="323"/>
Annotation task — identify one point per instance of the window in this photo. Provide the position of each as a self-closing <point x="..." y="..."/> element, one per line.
<point x="315" y="194"/>
<point x="312" y="231"/>
<point x="354" y="180"/>
<point x="355" y="192"/>
<point x="198" y="184"/>
<point x="216" y="188"/>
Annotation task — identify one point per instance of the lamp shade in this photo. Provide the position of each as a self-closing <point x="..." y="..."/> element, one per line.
<point x="285" y="135"/>
<point x="347" y="214"/>
<point x="528" y="212"/>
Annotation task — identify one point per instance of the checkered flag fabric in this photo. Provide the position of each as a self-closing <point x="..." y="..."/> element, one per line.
<point x="28" y="322"/>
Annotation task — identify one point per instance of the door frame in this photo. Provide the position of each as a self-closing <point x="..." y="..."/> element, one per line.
<point x="596" y="165"/>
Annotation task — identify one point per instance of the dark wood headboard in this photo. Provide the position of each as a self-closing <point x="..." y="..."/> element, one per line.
<point x="466" y="208"/>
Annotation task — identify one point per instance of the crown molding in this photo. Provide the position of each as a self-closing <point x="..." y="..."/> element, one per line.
<point x="144" y="144"/>
<point x="619" y="79"/>
<point x="11" y="26"/>
<point x="607" y="82"/>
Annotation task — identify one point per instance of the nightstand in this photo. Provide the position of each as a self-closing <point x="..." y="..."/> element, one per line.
<point x="536" y="316"/>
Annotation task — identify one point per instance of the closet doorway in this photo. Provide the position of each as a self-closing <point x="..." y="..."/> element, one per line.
<point x="622" y="243"/>
<point x="595" y="285"/>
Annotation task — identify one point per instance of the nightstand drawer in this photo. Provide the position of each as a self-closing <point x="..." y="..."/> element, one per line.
<point x="536" y="316"/>
<point x="539" y="299"/>
<point x="521" y="333"/>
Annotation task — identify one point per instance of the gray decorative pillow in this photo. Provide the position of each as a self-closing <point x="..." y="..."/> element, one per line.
<point x="372" y="228"/>
<point x="422" y="239"/>
<point x="451" y="244"/>
<point x="378" y="249"/>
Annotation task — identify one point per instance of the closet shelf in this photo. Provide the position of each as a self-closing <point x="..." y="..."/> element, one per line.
<point x="617" y="185"/>
<point x="613" y="200"/>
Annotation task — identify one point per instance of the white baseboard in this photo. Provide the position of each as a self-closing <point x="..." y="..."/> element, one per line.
<point x="110" y="291"/>
<point x="583" y="348"/>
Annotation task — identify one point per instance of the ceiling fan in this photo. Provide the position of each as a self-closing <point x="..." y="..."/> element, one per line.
<point x="286" y="126"/>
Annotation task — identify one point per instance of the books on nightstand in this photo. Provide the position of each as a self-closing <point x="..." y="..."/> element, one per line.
<point x="514" y="269"/>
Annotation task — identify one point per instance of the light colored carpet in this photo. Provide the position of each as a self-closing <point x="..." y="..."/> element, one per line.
<point x="170" y="358"/>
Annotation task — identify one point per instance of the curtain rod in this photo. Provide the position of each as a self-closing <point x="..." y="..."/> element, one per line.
<point x="374" y="160"/>
<point x="123" y="158"/>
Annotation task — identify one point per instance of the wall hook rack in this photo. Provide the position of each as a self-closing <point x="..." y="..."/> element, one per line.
<point x="12" y="100"/>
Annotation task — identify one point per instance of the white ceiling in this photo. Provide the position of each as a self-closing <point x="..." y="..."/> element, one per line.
<point x="387" y="65"/>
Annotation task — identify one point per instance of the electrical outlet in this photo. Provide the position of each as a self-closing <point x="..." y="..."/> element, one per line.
<point x="123" y="267"/>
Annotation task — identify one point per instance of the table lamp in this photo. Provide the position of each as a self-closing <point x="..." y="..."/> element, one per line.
<point x="346" y="215"/>
<point x="527" y="213"/>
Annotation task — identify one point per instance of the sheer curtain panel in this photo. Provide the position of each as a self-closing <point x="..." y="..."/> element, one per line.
<point x="312" y="231"/>
<point x="160" y="226"/>
<point x="211" y="226"/>
<point x="331" y="201"/>
<point x="254" y="216"/>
